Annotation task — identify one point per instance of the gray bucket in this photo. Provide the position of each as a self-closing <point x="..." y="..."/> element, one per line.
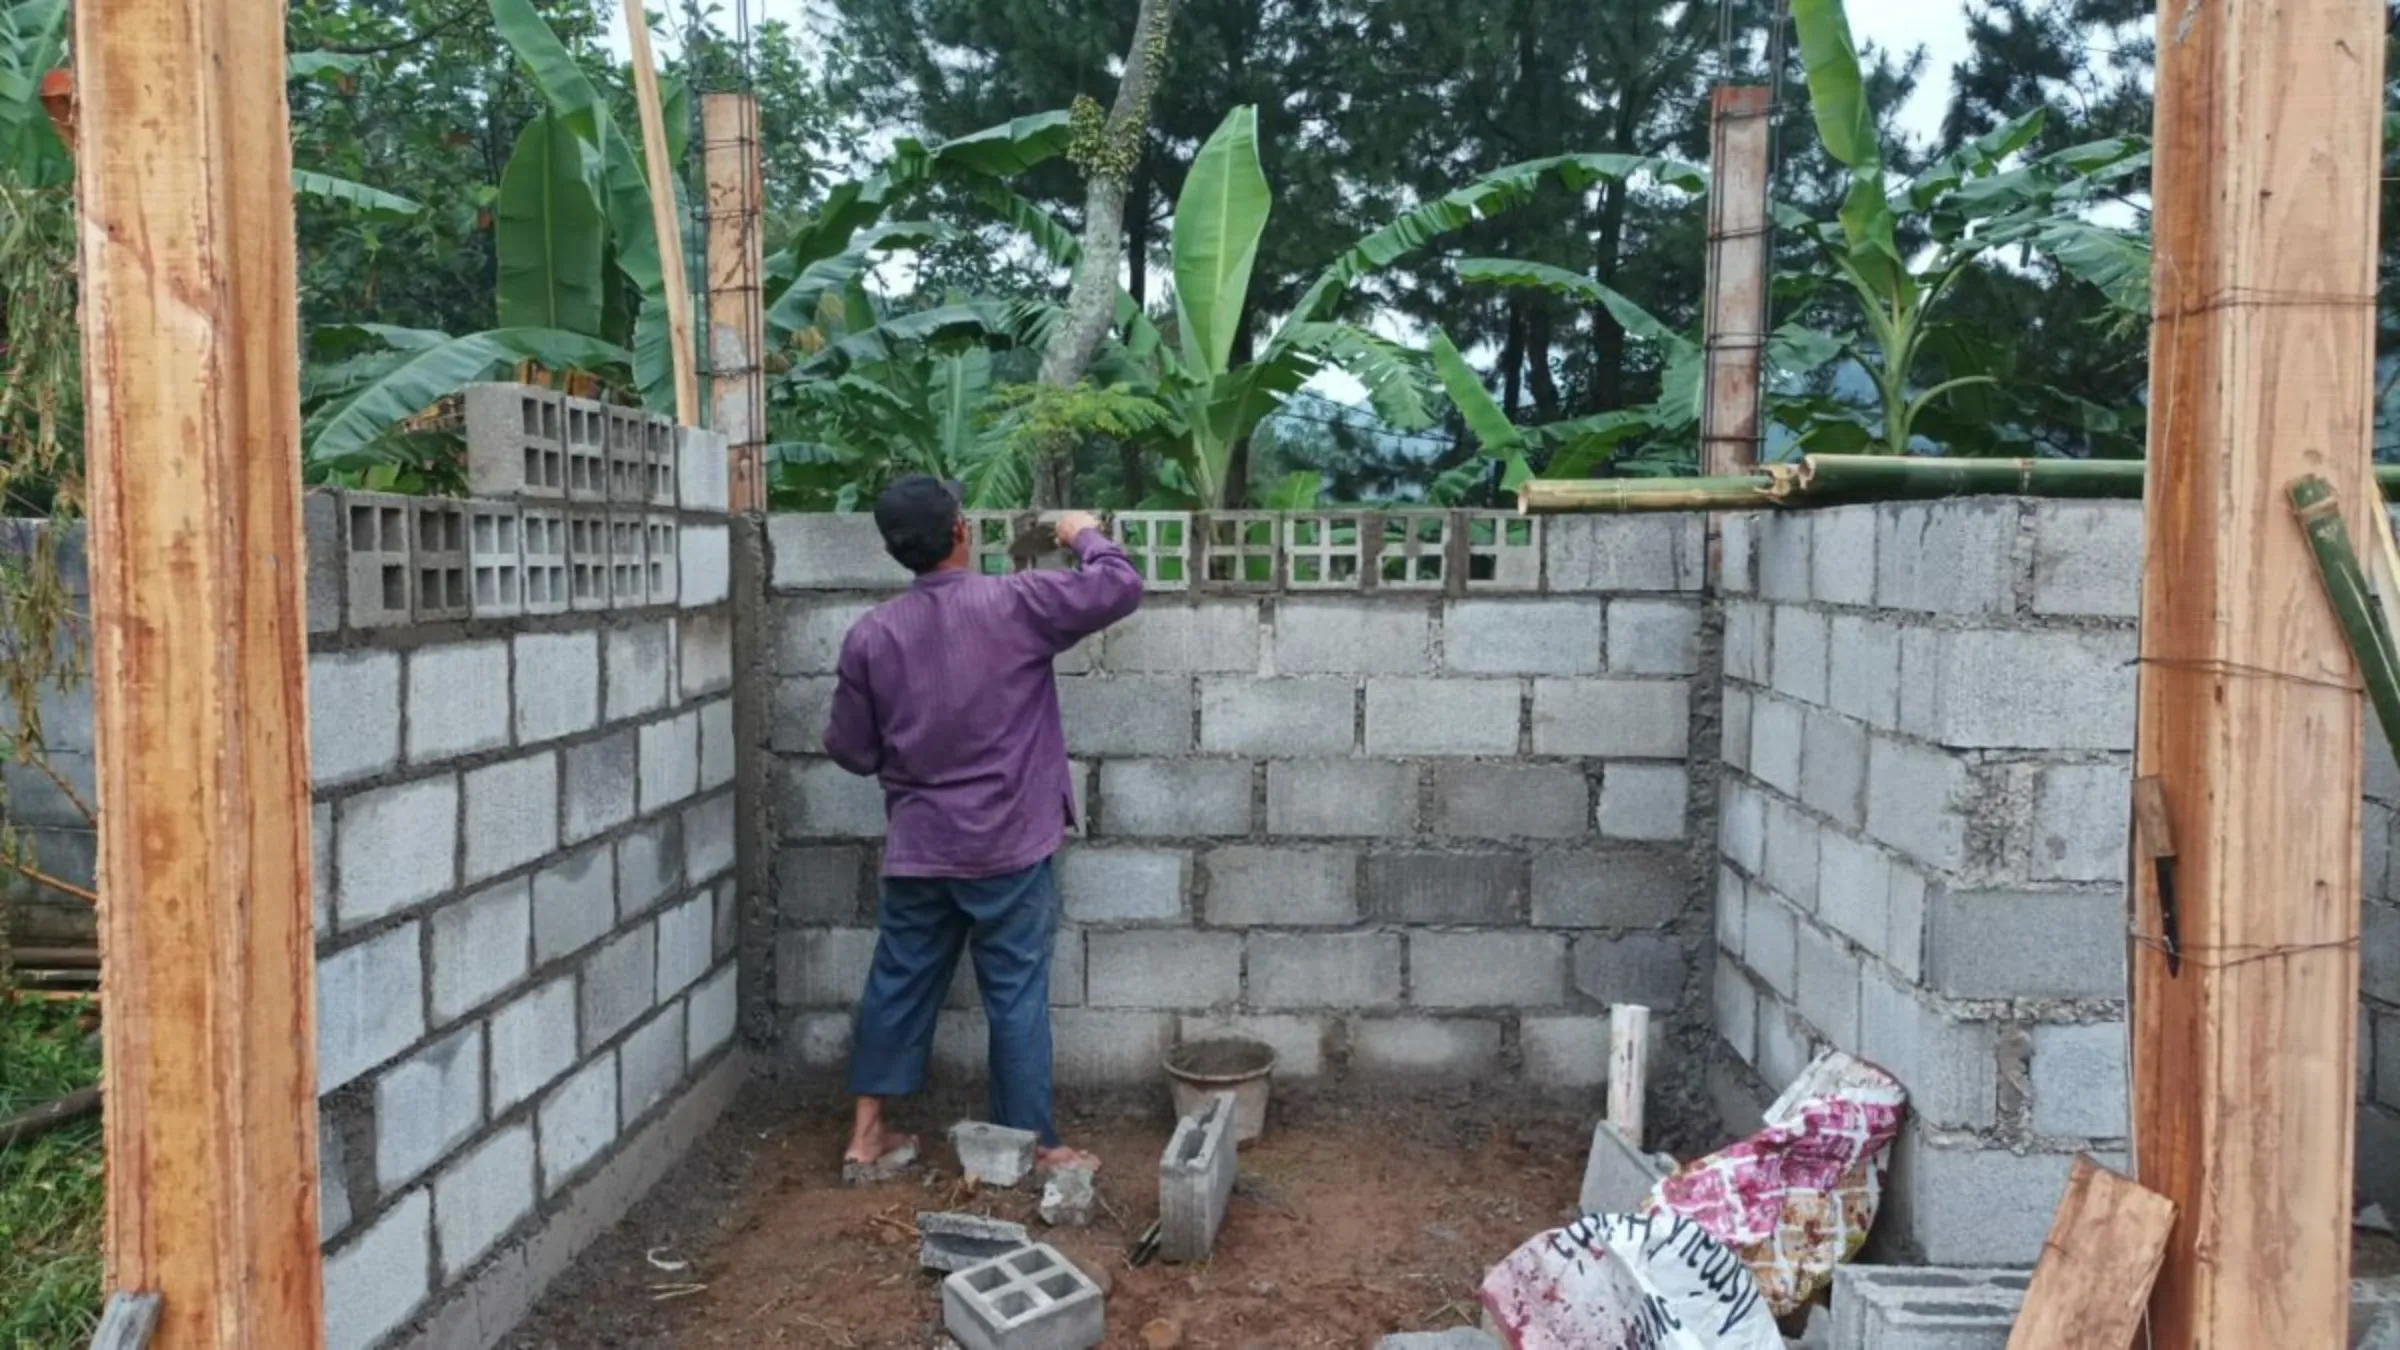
<point x="1232" y="1064"/>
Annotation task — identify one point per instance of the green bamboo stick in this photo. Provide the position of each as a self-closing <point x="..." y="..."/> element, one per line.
<point x="1834" y="480"/>
<point x="2318" y="509"/>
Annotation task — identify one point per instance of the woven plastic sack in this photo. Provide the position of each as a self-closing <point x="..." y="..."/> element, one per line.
<point x="1627" y="1282"/>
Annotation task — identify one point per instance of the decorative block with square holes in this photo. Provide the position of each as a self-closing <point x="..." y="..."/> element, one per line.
<point x="438" y="560"/>
<point x="495" y="560"/>
<point x="658" y="462"/>
<point x="586" y="425"/>
<point x="376" y="530"/>
<point x="516" y="442"/>
<point x="545" y="551"/>
<point x="1414" y="552"/>
<point x="989" y="533"/>
<point x="1323" y="551"/>
<point x="628" y="559"/>
<point x="1159" y="544"/>
<point x="1504" y="550"/>
<point x="1238" y="549"/>
<point x="1030" y="1299"/>
<point x="661" y="551"/>
<point x="587" y="560"/>
<point x="628" y="456"/>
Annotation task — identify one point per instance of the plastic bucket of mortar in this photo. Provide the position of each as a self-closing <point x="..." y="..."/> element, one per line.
<point x="1232" y="1064"/>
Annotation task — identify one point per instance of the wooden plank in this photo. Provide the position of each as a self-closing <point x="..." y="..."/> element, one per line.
<point x="1628" y="1069"/>
<point x="2262" y="352"/>
<point x="127" y="1322"/>
<point x="664" y="218"/>
<point x="2097" y="1266"/>
<point x="737" y="328"/>
<point x="192" y="428"/>
<point x="1740" y="118"/>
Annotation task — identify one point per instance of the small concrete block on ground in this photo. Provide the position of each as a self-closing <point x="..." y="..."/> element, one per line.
<point x="1457" y="1338"/>
<point x="1068" y="1198"/>
<point x="993" y="1155"/>
<point x="1924" y="1308"/>
<point x="1034" y="1299"/>
<point x="1618" y="1177"/>
<point x="954" y="1242"/>
<point x="1195" y="1180"/>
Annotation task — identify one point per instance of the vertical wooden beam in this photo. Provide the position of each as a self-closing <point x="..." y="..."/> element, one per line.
<point x="1740" y="118"/>
<point x="737" y="329"/>
<point x="664" y="218"/>
<point x="2267" y="169"/>
<point x="192" y="426"/>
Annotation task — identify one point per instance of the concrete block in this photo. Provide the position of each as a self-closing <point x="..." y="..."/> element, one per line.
<point x="1842" y="571"/>
<point x="438" y="560"/>
<point x="1949" y="557"/>
<point x="1967" y="1203"/>
<point x="1784" y="1050"/>
<point x="1742" y="825"/>
<point x="2087" y="558"/>
<point x="1920" y="1308"/>
<point x="1778" y="742"/>
<point x="808" y="634"/>
<point x="709" y="1015"/>
<point x="1337" y="798"/>
<point x="620" y="983"/>
<point x="1623" y="553"/>
<point x="1457" y="1338"/>
<point x="1607" y="718"/>
<point x="1298" y="1042"/>
<point x="670" y="761"/>
<point x="1644" y="801"/>
<point x="1108" y="1048"/>
<point x="1487" y="970"/>
<point x="2379" y="952"/>
<point x="2080" y="818"/>
<point x="1737" y="570"/>
<point x="1281" y="886"/>
<point x="481" y="945"/>
<point x="1564" y="1052"/>
<point x="586" y="439"/>
<point x="716" y="745"/>
<point x="639" y="664"/>
<point x="578" y="1121"/>
<point x="321" y="531"/>
<point x="1769" y="941"/>
<point x="1801" y="654"/>
<point x="703" y="475"/>
<point x="2020" y="944"/>
<point x="1541" y="636"/>
<point x="1327" y="970"/>
<point x="822" y="884"/>
<point x="830" y="553"/>
<point x="1513" y="801"/>
<point x="532" y="1043"/>
<point x="545" y="581"/>
<point x="1863" y="670"/>
<point x="1748" y="640"/>
<point x="558" y="685"/>
<point x="1833" y="767"/>
<point x="597" y="781"/>
<point x="1949" y="1065"/>
<point x="1195" y="1180"/>
<point x="1644" y="968"/>
<point x="822" y="967"/>
<point x="1617" y="1176"/>
<point x="1122" y="885"/>
<point x="1828" y="995"/>
<point x="2008" y="690"/>
<point x="1732" y="906"/>
<point x="1917" y="801"/>
<point x="2079" y="1081"/>
<point x="1653" y="637"/>
<point x="1272" y="719"/>
<point x="511" y="814"/>
<point x="354" y="715"/>
<point x="1784" y="558"/>
<point x="1347" y="636"/>
<point x="650" y="1063"/>
<point x="1164" y="968"/>
<point x="1481" y="888"/>
<point x="1201" y="637"/>
<point x="1906" y="950"/>
<point x="686" y="943"/>
<point x="1128" y="715"/>
<point x="333" y="1184"/>
<point x="1423" y="1048"/>
<point x="993" y="1155"/>
<point x="953" y="1242"/>
<point x="426" y="1105"/>
<point x="1733" y="727"/>
<point x="1161" y="798"/>
<point x="1443" y="717"/>
<point x="704" y="654"/>
<point x="483" y="1195"/>
<point x="458" y="700"/>
<point x="320" y="867"/>
<point x="394" y="847"/>
<point x="495" y="560"/>
<point x="705" y="561"/>
<point x="1033" y="1299"/>
<point x="370" y="1005"/>
<point x="1854" y="888"/>
<point x="374" y="1282"/>
<point x="821" y="800"/>
<point x="376" y="554"/>
<point x="574" y="902"/>
<point x="1734" y="1003"/>
<point x="1609" y="888"/>
<point x="799" y="708"/>
<point x="708" y="839"/>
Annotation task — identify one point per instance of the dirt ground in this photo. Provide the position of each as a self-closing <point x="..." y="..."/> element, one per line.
<point x="1348" y="1221"/>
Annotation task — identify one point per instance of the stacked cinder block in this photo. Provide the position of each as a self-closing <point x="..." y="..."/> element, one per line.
<point x="524" y="833"/>
<point x="1401" y="794"/>
<point x="1195" y="1180"/>
<point x="1963" y="1308"/>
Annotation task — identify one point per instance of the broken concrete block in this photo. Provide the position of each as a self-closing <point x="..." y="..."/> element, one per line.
<point x="1617" y="1177"/>
<point x="889" y="1167"/>
<point x="1033" y="1299"/>
<point x="1195" y="1179"/>
<point x="953" y="1242"/>
<point x="1067" y="1198"/>
<point x="994" y="1155"/>
<point x="1457" y="1338"/>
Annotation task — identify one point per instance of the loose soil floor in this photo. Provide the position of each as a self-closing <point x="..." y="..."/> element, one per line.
<point x="1349" y="1220"/>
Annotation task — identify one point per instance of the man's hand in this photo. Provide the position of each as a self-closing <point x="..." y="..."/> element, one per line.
<point x="1072" y="525"/>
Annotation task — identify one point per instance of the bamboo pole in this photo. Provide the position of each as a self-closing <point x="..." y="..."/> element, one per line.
<point x="737" y="336"/>
<point x="664" y="218"/>
<point x="1840" y="480"/>
<point x="199" y="661"/>
<point x="2318" y="508"/>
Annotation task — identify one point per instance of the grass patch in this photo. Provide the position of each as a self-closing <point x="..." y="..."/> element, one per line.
<point x="52" y="1199"/>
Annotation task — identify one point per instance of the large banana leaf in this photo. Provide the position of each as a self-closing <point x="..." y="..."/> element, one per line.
<point x="1219" y="218"/>
<point x="1006" y="150"/>
<point x="548" y="233"/>
<point x="1499" y="438"/>
<point x="991" y="323"/>
<point x="796" y="308"/>
<point x="2116" y="262"/>
<point x="1391" y="372"/>
<point x="962" y="381"/>
<point x="312" y="65"/>
<point x="33" y="42"/>
<point x="349" y="426"/>
<point x="1837" y="94"/>
<point x="1637" y="322"/>
<point x="373" y="203"/>
<point x="624" y="192"/>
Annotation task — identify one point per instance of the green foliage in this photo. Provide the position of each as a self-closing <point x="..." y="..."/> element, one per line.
<point x="53" y="1198"/>
<point x="549" y="233"/>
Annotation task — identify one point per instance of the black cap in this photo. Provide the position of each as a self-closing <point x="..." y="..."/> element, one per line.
<point x="916" y="514"/>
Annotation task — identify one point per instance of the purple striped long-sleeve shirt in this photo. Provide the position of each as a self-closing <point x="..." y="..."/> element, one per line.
<point x="946" y="695"/>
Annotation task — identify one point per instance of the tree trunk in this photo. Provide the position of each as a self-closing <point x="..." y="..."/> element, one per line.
<point x="1538" y="378"/>
<point x="1137" y="283"/>
<point x="1512" y="362"/>
<point x="1234" y="493"/>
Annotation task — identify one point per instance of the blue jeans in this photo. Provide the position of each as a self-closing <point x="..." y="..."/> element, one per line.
<point x="1010" y="923"/>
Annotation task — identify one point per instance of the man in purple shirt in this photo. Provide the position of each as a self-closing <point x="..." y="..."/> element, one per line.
<point x="946" y="695"/>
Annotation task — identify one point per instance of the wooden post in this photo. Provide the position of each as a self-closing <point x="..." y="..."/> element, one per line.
<point x="1628" y="1069"/>
<point x="192" y="426"/>
<point x="737" y="329"/>
<point x="1740" y="119"/>
<point x="664" y="218"/>
<point x="2267" y="170"/>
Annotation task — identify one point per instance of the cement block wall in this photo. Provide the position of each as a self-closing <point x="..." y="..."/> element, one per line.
<point x="1928" y="726"/>
<point x="1428" y="829"/>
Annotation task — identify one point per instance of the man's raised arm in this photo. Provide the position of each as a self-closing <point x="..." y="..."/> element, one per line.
<point x="1069" y="606"/>
<point x="851" y="737"/>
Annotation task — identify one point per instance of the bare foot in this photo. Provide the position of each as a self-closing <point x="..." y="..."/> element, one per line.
<point x="1062" y="1159"/>
<point x="883" y="1144"/>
